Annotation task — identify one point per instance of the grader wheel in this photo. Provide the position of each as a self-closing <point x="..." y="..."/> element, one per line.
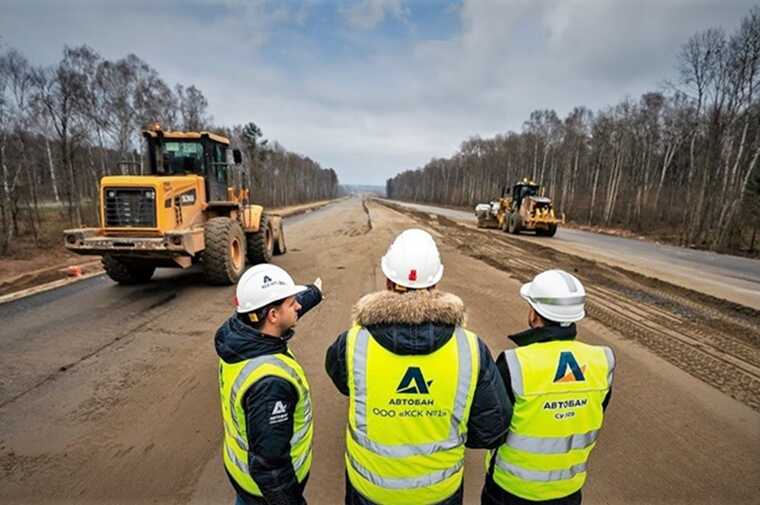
<point x="224" y="256"/>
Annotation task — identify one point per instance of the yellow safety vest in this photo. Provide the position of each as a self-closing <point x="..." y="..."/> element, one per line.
<point x="559" y="389"/>
<point x="407" y="420"/>
<point x="234" y="381"/>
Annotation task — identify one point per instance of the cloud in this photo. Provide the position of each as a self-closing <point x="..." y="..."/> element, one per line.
<point x="367" y="14"/>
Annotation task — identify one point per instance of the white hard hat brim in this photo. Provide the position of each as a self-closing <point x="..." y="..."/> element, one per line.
<point x="277" y="295"/>
<point x="524" y="290"/>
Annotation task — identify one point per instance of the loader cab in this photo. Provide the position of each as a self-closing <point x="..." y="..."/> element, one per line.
<point x="174" y="153"/>
<point x="523" y="189"/>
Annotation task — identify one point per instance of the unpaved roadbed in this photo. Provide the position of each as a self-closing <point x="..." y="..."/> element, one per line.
<point x="109" y="394"/>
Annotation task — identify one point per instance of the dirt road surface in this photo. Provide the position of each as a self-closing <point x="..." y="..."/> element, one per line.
<point x="733" y="278"/>
<point x="108" y="394"/>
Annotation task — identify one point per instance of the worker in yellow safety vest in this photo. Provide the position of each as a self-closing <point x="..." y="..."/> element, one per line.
<point x="560" y="389"/>
<point x="265" y="397"/>
<point x="421" y="387"/>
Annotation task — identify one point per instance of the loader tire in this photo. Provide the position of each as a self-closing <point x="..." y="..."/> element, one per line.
<point x="125" y="272"/>
<point x="551" y="231"/>
<point x="261" y="243"/>
<point x="224" y="256"/>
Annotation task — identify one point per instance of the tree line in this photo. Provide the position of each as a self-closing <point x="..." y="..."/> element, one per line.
<point x="279" y="177"/>
<point x="681" y="162"/>
<point x="64" y="126"/>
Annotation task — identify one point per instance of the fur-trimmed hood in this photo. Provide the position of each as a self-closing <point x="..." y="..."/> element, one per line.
<point x="416" y="322"/>
<point x="414" y="307"/>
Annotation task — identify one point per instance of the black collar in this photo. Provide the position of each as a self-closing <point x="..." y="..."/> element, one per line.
<point x="544" y="334"/>
<point x="269" y="342"/>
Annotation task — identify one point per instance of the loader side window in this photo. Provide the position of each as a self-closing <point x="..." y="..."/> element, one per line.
<point x="219" y="163"/>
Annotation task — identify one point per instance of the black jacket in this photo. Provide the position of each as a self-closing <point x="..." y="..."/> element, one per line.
<point x="421" y="322"/>
<point x="493" y="494"/>
<point x="268" y="437"/>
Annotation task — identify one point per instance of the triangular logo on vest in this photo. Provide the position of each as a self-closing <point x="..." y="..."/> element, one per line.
<point x="413" y="382"/>
<point x="279" y="408"/>
<point x="568" y="369"/>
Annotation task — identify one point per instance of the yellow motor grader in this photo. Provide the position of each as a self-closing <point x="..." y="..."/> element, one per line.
<point x="191" y="207"/>
<point x="520" y="208"/>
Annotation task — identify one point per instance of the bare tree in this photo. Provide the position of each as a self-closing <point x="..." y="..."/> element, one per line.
<point x="192" y="107"/>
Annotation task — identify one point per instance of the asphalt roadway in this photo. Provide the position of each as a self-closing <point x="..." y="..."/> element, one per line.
<point x="733" y="278"/>
<point x="108" y="394"/>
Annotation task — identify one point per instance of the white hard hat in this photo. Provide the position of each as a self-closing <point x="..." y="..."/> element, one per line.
<point x="412" y="260"/>
<point x="556" y="295"/>
<point x="264" y="284"/>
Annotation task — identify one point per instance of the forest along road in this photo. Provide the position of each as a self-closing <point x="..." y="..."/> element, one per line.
<point x="109" y="394"/>
<point x="733" y="278"/>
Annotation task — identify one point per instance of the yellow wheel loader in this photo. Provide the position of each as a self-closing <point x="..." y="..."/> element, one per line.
<point x="520" y="208"/>
<point x="192" y="206"/>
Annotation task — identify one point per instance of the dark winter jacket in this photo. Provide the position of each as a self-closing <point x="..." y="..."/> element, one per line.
<point x="421" y="322"/>
<point x="269" y="444"/>
<point x="493" y="494"/>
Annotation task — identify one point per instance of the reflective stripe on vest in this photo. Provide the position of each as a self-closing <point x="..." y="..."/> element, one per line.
<point x="405" y="483"/>
<point x="245" y="373"/>
<point x="423" y="471"/>
<point x="538" y="476"/>
<point x="242" y="376"/>
<point x="243" y="467"/>
<point x="559" y="388"/>
<point x="551" y="445"/>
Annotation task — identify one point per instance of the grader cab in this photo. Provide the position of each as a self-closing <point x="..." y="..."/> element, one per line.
<point x="192" y="206"/>
<point x="520" y="208"/>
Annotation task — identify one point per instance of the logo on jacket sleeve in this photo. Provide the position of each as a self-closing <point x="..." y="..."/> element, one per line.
<point x="413" y="382"/>
<point x="279" y="413"/>
<point x="568" y="369"/>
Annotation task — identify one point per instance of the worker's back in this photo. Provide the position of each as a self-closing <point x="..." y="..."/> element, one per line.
<point x="414" y="378"/>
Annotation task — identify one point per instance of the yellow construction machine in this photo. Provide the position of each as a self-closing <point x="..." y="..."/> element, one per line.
<point x="520" y="208"/>
<point x="192" y="206"/>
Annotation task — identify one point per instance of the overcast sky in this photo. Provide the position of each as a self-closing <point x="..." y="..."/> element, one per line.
<point x="374" y="87"/>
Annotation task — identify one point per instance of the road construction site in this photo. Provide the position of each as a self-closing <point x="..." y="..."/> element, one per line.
<point x="109" y="394"/>
<point x="732" y="278"/>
